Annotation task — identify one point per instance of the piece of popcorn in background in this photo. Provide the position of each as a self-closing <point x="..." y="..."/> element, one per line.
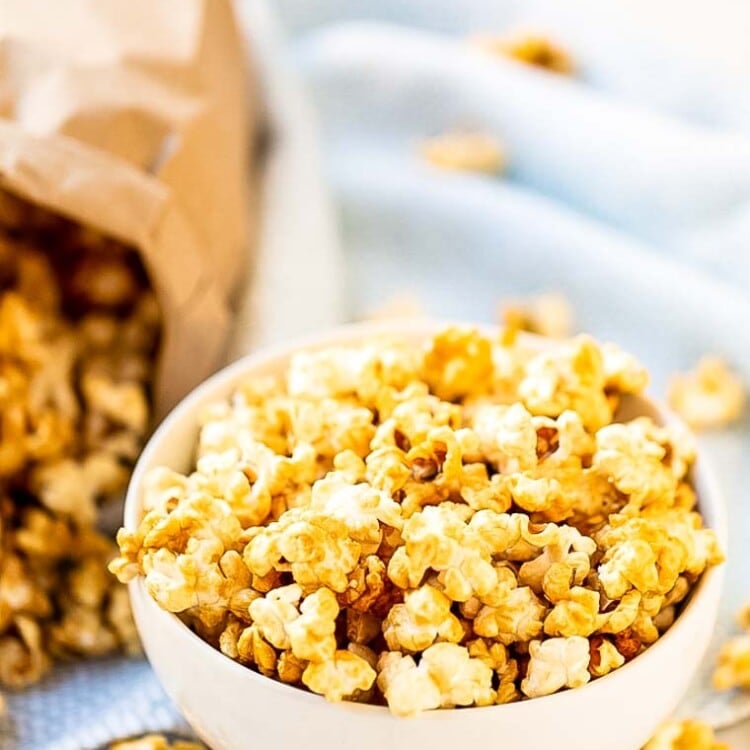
<point x="708" y="397"/>
<point x="687" y="734"/>
<point x="530" y="48"/>
<point x="465" y="151"/>
<point x="156" y="742"/>
<point x="549" y="315"/>
<point x="733" y="664"/>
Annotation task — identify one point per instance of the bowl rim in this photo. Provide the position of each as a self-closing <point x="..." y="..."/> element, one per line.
<point x="710" y="497"/>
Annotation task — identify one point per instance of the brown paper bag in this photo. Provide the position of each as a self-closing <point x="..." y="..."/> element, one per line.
<point x="132" y="116"/>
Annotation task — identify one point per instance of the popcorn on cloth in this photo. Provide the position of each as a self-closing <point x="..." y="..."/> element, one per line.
<point x="464" y="152"/>
<point x="549" y="314"/>
<point x="688" y="734"/>
<point x="156" y="742"/>
<point x="457" y="525"/>
<point x="733" y="664"/>
<point x="709" y="396"/>
<point x="529" y="48"/>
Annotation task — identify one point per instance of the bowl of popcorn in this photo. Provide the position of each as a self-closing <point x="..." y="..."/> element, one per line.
<point x="414" y="533"/>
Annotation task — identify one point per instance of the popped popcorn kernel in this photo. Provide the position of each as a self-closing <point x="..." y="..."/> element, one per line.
<point x="339" y="677"/>
<point x="424" y="617"/>
<point x="733" y="664"/>
<point x="530" y="49"/>
<point x="458" y="362"/>
<point x="603" y="656"/>
<point x="710" y="396"/>
<point x="556" y="663"/>
<point x="457" y="524"/>
<point x="687" y="734"/>
<point x="568" y="377"/>
<point x="79" y="330"/>
<point x="446" y="676"/>
<point x="464" y="152"/>
<point x="549" y="314"/>
<point x="156" y="742"/>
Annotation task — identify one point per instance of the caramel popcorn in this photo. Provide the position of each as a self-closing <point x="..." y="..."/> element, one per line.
<point x="464" y="152"/>
<point x="733" y="664"/>
<point x="446" y="677"/>
<point x="529" y="48"/>
<point x="710" y="396"/>
<point x="688" y="734"/>
<point x="556" y="663"/>
<point x="547" y="314"/>
<point x="78" y="332"/>
<point x="340" y="676"/>
<point x="156" y="742"/>
<point x="460" y="524"/>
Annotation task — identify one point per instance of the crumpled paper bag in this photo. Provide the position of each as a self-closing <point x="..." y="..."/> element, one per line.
<point x="134" y="118"/>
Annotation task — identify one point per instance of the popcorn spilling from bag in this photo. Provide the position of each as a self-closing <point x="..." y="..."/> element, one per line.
<point x="78" y="329"/>
<point x="461" y="524"/>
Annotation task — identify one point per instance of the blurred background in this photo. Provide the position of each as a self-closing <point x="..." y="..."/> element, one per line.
<point x="454" y="158"/>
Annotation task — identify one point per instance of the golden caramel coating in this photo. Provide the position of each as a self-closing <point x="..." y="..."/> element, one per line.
<point x="78" y="334"/>
<point x="457" y="525"/>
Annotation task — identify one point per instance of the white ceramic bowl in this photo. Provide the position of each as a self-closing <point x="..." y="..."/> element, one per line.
<point x="233" y="708"/>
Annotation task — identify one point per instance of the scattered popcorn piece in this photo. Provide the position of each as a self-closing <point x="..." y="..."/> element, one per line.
<point x="688" y="734"/>
<point x="733" y="664"/>
<point x="464" y="152"/>
<point x="156" y="742"/>
<point x="548" y="315"/>
<point x="743" y="617"/>
<point x="529" y="48"/>
<point x="710" y="396"/>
